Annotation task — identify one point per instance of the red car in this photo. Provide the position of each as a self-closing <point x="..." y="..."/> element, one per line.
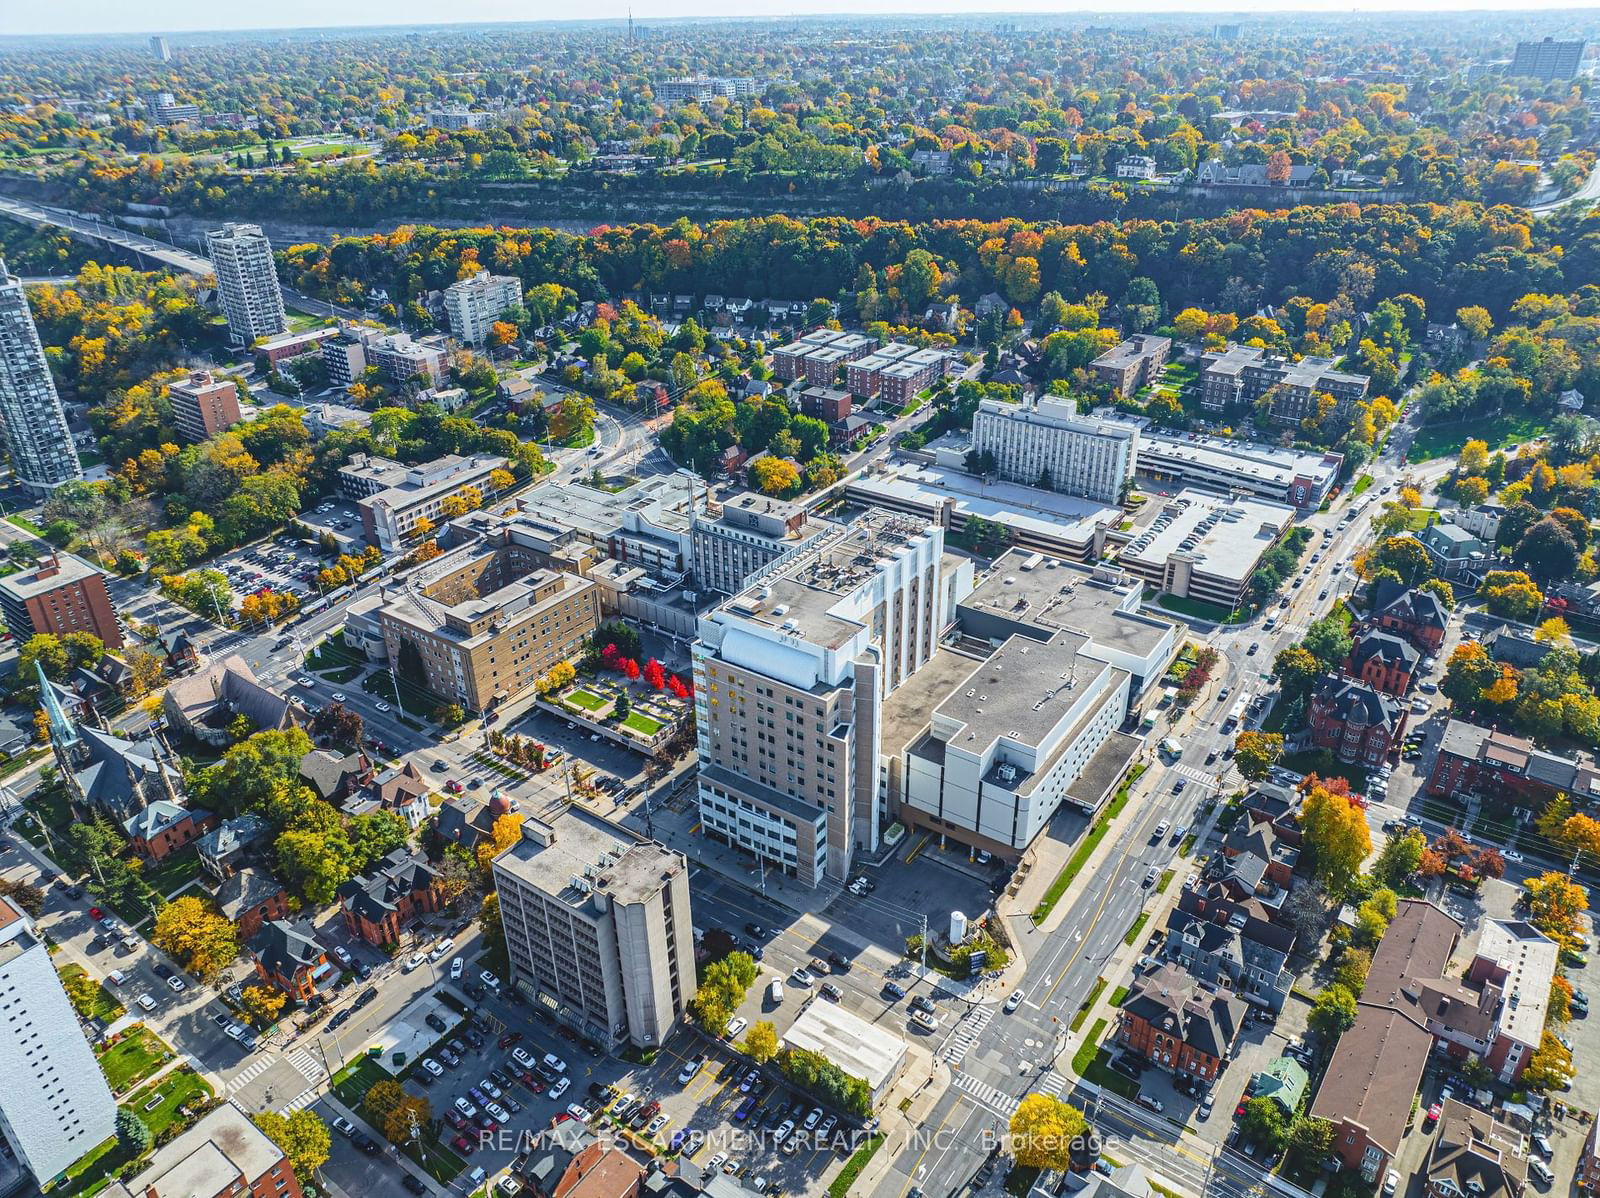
<point x="455" y="1119"/>
<point x="462" y="1144"/>
<point x="96" y="914"/>
<point x="1434" y="1112"/>
<point x="1238" y="1110"/>
<point x="454" y="787"/>
<point x="510" y="1038"/>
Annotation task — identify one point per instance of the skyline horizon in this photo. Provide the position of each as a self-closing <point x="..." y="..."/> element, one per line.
<point x="406" y="14"/>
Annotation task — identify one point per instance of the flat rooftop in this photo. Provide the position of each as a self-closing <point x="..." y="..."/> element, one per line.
<point x="48" y="575"/>
<point x="1034" y="588"/>
<point x="1067" y="519"/>
<point x="906" y="712"/>
<point x="1021" y="690"/>
<point x="1529" y="958"/>
<point x="577" y="846"/>
<point x="862" y="1049"/>
<point x="1268" y="465"/>
<point x="595" y="513"/>
<point x="1226" y="537"/>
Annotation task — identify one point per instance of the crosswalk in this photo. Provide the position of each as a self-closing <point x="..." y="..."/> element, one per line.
<point x="300" y="1101"/>
<point x="1194" y="773"/>
<point x="996" y="1100"/>
<point x="303" y="1060"/>
<point x="965" y="1032"/>
<point x="241" y="1080"/>
<point x="1052" y="1084"/>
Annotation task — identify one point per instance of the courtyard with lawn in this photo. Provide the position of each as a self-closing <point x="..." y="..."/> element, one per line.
<point x="133" y="1056"/>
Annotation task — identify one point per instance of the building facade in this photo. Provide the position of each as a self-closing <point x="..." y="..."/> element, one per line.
<point x="1242" y="374"/>
<point x="247" y="282"/>
<point x="55" y="1105"/>
<point x="475" y="303"/>
<point x="1180" y="1024"/>
<point x="58" y="595"/>
<point x="598" y="927"/>
<point x="790" y="679"/>
<point x="1546" y="59"/>
<point x="1357" y="723"/>
<point x="1134" y="363"/>
<point x="389" y="516"/>
<point x="1047" y="444"/>
<point x="203" y="406"/>
<point x="34" y="422"/>
<point x="746" y="533"/>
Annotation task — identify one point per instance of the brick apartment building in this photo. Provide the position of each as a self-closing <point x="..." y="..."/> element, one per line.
<point x="1242" y="374"/>
<point x="164" y="826"/>
<point x="203" y="406"/>
<point x="60" y="594"/>
<point x="378" y="905"/>
<point x="287" y="954"/>
<point x="1416" y="615"/>
<point x="224" y="1155"/>
<point x="1180" y="1024"/>
<point x="1132" y="364"/>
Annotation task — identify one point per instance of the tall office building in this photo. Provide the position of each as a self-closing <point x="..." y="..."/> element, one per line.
<point x="35" y="424"/>
<point x="55" y="1105"/>
<point x="597" y="927"/>
<point x="473" y="304"/>
<point x="159" y="49"/>
<point x="1047" y="444"/>
<point x="791" y="677"/>
<point x="247" y="282"/>
<point x="1546" y="59"/>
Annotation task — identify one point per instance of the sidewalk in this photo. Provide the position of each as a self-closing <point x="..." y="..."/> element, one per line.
<point x="390" y="1152"/>
<point x="926" y="1078"/>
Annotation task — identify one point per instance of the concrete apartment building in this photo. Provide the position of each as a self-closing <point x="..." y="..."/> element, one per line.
<point x="401" y="359"/>
<point x="791" y="676"/>
<point x="1242" y="374"/>
<point x="31" y="416"/>
<point x="818" y="355"/>
<point x="55" y="1105"/>
<point x="702" y="89"/>
<point x="58" y="595"/>
<point x="598" y="927"/>
<point x="1199" y="546"/>
<point x="203" y="406"/>
<point x="1047" y="442"/>
<point x="475" y="303"/>
<point x="486" y="621"/>
<point x="224" y="1155"/>
<point x="1132" y="364"/>
<point x="736" y="537"/>
<point x="1546" y="59"/>
<point x="247" y="282"/>
<point x="1294" y="476"/>
<point x="389" y="516"/>
<point x="365" y="474"/>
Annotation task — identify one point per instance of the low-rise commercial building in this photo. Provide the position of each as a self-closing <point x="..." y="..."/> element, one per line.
<point x="1133" y="363"/>
<point x="1303" y="478"/>
<point x="389" y="516"/>
<point x="598" y="927"/>
<point x="1200" y="546"/>
<point x="482" y="623"/>
<point x="862" y="1049"/>
<point x="1474" y="762"/>
<point x="1046" y="444"/>
<point x="203" y="406"/>
<point x="59" y="594"/>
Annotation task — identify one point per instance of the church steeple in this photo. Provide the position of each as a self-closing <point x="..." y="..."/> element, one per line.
<point x="63" y="732"/>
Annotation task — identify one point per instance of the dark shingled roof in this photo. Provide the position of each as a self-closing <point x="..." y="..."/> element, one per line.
<point x="1172" y="1000"/>
<point x="1386" y="648"/>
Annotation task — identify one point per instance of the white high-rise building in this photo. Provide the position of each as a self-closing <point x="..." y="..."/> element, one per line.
<point x="247" y="283"/>
<point x="55" y="1105"/>
<point x="35" y="424"/>
<point x="473" y="304"/>
<point x="1047" y="444"/>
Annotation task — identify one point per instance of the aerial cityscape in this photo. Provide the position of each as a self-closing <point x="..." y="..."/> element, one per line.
<point x="882" y="605"/>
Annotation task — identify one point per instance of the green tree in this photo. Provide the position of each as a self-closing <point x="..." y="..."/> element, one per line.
<point x="1310" y="1141"/>
<point x="373" y="835"/>
<point x="1399" y="858"/>
<point x="1328" y="640"/>
<point x="1264" y="1123"/>
<point x="1333" y="1013"/>
<point x="1257" y="752"/>
<point x="301" y="1136"/>
<point x="315" y="864"/>
<point x="133" y="1134"/>
<point x="42" y="649"/>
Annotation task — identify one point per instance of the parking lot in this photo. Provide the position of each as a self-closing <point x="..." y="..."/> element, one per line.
<point x="285" y="565"/>
<point x="340" y="519"/>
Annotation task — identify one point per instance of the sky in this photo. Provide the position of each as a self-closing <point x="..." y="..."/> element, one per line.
<point x="176" y="16"/>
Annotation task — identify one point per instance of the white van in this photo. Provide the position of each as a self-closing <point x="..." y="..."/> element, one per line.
<point x="775" y="993"/>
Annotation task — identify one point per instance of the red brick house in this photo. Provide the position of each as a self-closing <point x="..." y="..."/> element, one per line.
<point x="1482" y="761"/>
<point x="378" y="905"/>
<point x="1180" y="1024"/>
<point x="1383" y="660"/>
<point x="1416" y="615"/>
<point x="1354" y="721"/>
<point x="250" y="899"/>
<point x="286" y="955"/>
<point x="164" y="826"/>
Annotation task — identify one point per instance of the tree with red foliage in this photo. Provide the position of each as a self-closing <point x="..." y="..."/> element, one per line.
<point x="611" y="657"/>
<point x="630" y="668"/>
<point x="655" y="675"/>
<point x="677" y="687"/>
<point x="1431" y="865"/>
<point x="1490" y="863"/>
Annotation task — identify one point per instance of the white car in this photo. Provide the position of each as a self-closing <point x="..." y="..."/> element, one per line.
<point x="498" y="1112"/>
<point x="342" y="955"/>
<point x="716" y="1162"/>
<point x="233" y="1031"/>
<point x="306" y="680"/>
<point x="654" y="1126"/>
<point x="381" y="705"/>
<point x="1513" y="855"/>
<point x="924" y="1020"/>
<point x="456" y="967"/>
<point x="443" y="949"/>
<point x="581" y="1113"/>
<point x="1014" y="1001"/>
<point x="338" y="696"/>
<point x="560" y="1088"/>
<point x="414" y="960"/>
<point x="489" y="980"/>
<point x="146" y="1003"/>
<point x="467" y="1110"/>
<point x="433" y="1066"/>
<point x="738" y="1024"/>
<point x="801" y="976"/>
<point x="690" y="1068"/>
<point x="176" y="984"/>
<point x="1391" y="1183"/>
<point x="523" y="1057"/>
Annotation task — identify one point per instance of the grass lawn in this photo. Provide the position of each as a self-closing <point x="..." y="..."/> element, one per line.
<point x="341" y="675"/>
<point x="415" y="700"/>
<point x="1096" y="834"/>
<point x="98" y="1003"/>
<point x="438" y="1160"/>
<point x="353" y="1081"/>
<point x="179" y="1088"/>
<point x="92" y="1172"/>
<point x="586" y="700"/>
<point x="1362" y="484"/>
<point x="174" y="871"/>
<point x="25" y="524"/>
<point x="1201" y="610"/>
<point x="1420" y="517"/>
<point x="1091" y="1062"/>
<point x="1446" y="438"/>
<point x="133" y="1058"/>
<point x="1138" y="926"/>
<point x="642" y="723"/>
<point x="840" y="1186"/>
<point x="1118" y="995"/>
<point x="1087" y="1004"/>
<point x="331" y="654"/>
